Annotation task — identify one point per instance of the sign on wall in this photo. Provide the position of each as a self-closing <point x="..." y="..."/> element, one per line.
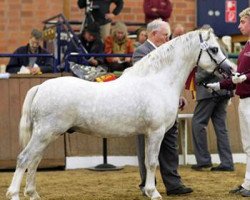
<point x="221" y="15"/>
<point x="231" y="11"/>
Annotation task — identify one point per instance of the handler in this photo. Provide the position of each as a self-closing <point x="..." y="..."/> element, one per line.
<point x="158" y="34"/>
<point x="241" y="81"/>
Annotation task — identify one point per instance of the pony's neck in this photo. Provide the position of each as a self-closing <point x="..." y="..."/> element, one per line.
<point x="176" y="77"/>
<point x="171" y="63"/>
<point x="179" y="63"/>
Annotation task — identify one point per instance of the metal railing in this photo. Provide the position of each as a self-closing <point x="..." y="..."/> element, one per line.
<point x="67" y="57"/>
<point x="61" y="24"/>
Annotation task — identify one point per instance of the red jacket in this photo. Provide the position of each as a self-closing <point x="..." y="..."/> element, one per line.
<point x="242" y="89"/>
<point x="109" y="47"/>
<point x="164" y="9"/>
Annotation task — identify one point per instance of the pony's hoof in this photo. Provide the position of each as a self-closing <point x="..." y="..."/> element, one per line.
<point x="32" y="194"/>
<point x="12" y="196"/>
<point x="156" y="195"/>
<point x="153" y="194"/>
<point x="35" y="198"/>
<point x="156" y="198"/>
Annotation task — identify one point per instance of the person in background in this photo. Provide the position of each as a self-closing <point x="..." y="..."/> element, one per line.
<point x="91" y="41"/>
<point x="118" y="43"/>
<point x="154" y="9"/>
<point x="141" y="36"/>
<point x="31" y="65"/>
<point x="158" y="33"/>
<point x="179" y="30"/>
<point x="211" y="106"/>
<point x="241" y="81"/>
<point x="101" y="13"/>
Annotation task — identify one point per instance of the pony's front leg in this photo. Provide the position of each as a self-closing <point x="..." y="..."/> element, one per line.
<point x="152" y="145"/>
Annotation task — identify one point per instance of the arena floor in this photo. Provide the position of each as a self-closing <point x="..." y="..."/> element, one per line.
<point x="123" y="185"/>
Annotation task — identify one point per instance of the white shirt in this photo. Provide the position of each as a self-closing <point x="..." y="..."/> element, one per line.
<point x="152" y="43"/>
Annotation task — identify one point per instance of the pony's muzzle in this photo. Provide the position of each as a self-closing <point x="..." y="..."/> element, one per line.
<point x="226" y="68"/>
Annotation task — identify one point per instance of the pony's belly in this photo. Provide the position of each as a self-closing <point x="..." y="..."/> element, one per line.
<point x="108" y="133"/>
<point x="110" y="130"/>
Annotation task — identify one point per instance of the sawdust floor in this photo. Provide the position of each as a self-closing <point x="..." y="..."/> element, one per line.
<point x="123" y="185"/>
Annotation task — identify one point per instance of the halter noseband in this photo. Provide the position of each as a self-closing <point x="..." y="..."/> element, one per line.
<point x="205" y="47"/>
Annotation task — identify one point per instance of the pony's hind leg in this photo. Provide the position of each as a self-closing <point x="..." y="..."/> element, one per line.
<point x="30" y="188"/>
<point x="153" y="144"/>
<point x="22" y="164"/>
<point x="39" y="147"/>
<point x="13" y="190"/>
<point x="29" y="158"/>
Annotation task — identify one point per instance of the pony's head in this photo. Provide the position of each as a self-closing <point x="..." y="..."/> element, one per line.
<point x="211" y="58"/>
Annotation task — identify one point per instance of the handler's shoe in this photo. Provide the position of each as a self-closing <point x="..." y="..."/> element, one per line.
<point x="200" y="167"/>
<point x="222" y="168"/>
<point x="236" y="190"/>
<point x="180" y="191"/>
<point x="245" y="193"/>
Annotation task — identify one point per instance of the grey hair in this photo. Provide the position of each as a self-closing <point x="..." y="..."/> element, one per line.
<point x="157" y="24"/>
<point x="245" y="12"/>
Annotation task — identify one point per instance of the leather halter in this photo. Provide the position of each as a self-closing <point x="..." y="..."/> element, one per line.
<point x="205" y="47"/>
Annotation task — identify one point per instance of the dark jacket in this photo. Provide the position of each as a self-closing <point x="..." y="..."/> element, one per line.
<point x="164" y="9"/>
<point x="101" y="7"/>
<point x="15" y="63"/>
<point x="96" y="46"/>
<point x="142" y="51"/>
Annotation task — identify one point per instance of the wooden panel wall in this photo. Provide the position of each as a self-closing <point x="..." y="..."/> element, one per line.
<point x="13" y="92"/>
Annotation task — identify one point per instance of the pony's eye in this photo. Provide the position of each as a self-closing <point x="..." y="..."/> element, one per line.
<point x="214" y="50"/>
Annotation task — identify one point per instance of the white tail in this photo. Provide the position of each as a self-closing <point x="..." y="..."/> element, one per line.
<point x="25" y="127"/>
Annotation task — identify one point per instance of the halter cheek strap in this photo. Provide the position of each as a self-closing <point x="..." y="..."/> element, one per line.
<point x="205" y="47"/>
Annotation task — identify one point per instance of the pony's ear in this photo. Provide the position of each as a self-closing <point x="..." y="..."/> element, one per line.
<point x="208" y="34"/>
<point x="203" y="34"/>
<point x="211" y="30"/>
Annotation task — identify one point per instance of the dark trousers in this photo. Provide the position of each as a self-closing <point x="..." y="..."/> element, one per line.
<point x="214" y="108"/>
<point x="168" y="159"/>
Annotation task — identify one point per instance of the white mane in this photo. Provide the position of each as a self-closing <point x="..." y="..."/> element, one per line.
<point x="164" y="55"/>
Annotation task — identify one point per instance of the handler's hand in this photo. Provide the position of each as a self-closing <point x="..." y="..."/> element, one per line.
<point x="214" y="86"/>
<point x="182" y="103"/>
<point x="93" y="61"/>
<point x="237" y="78"/>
